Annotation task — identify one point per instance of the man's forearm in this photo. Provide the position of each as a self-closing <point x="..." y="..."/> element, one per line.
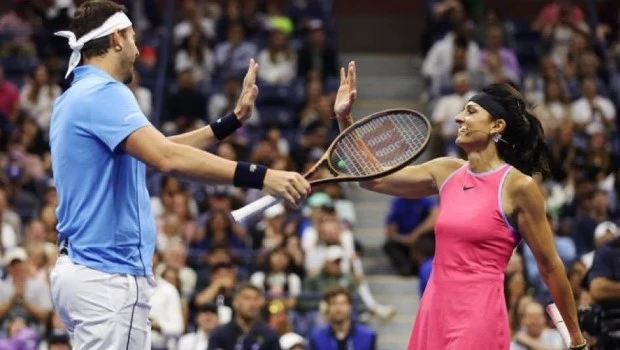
<point x="193" y="164"/>
<point x="202" y="138"/>
<point x="603" y="289"/>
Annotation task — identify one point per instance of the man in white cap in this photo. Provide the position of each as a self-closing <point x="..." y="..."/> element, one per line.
<point x="22" y="295"/>
<point x="101" y="143"/>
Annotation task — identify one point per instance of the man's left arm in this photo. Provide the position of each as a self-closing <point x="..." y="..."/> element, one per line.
<point x="205" y="137"/>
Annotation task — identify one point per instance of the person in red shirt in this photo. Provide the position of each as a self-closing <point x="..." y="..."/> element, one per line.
<point x="9" y="98"/>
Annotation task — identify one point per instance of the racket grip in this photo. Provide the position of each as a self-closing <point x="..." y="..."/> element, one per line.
<point x="254" y="208"/>
<point x="554" y="313"/>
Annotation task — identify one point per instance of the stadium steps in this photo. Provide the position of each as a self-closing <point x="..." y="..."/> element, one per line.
<point x="384" y="82"/>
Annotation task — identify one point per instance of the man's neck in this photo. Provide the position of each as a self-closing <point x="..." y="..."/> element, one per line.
<point x="245" y="325"/>
<point x="342" y="329"/>
<point x="105" y="64"/>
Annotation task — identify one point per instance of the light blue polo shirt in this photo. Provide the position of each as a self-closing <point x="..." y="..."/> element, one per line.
<point x="104" y="209"/>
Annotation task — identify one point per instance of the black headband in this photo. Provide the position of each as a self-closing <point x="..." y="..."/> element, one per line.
<point x="487" y="102"/>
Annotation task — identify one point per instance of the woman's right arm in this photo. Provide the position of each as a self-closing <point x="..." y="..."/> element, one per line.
<point x="416" y="181"/>
<point x="410" y="182"/>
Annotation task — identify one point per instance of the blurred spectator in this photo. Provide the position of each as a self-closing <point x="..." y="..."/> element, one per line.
<point x="224" y="102"/>
<point x="221" y="288"/>
<point x="233" y="13"/>
<point x="246" y="331"/>
<point x="446" y="109"/>
<point x="166" y="314"/>
<point x="195" y="56"/>
<point x="206" y="321"/>
<point x="558" y="22"/>
<point x="9" y="99"/>
<point x="56" y="336"/>
<point x="507" y="58"/>
<point x="277" y="317"/>
<point x="143" y="95"/>
<point x="277" y="280"/>
<point x="186" y="105"/>
<point x="603" y="233"/>
<point x="194" y="22"/>
<point x="38" y="96"/>
<point x="329" y="277"/>
<point x="316" y="56"/>
<point x="595" y="212"/>
<point x="555" y="111"/>
<point x="19" y="335"/>
<point x="9" y="217"/>
<point x="176" y="258"/>
<point x="18" y="24"/>
<point x="535" y="333"/>
<point x="423" y="252"/>
<point x="292" y="341"/>
<point x="22" y="295"/>
<point x="603" y="283"/>
<point x="232" y="56"/>
<point x="310" y="146"/>
<point x="342" y="332"/>
<point x="456" y="51"/>
<point x="593" y="113"/>
<point x="408" y="221"/>
<point x="278" y="61"/>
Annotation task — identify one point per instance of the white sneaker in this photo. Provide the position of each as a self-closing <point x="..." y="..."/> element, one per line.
<point x="384" y="312"/>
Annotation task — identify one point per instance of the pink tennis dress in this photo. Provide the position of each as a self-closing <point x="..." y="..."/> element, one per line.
<point x="463" y="306"/>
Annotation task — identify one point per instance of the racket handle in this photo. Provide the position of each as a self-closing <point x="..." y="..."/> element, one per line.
<point x="254" y="208"/>
<point x="554" y="313"/>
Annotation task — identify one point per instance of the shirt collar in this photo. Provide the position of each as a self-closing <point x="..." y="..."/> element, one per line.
<point x="84" y="71"/>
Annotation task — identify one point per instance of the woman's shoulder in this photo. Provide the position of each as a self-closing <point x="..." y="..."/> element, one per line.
<point x="523" y="186"/>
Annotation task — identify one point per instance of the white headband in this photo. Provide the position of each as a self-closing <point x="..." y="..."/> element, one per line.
<point x="117" y="21"/>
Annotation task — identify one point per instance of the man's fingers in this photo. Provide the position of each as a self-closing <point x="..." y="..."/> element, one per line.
<point x="250" y="76"/>
<point x="352" y="75"/>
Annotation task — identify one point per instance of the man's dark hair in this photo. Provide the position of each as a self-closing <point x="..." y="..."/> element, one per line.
<point x="247" y="285"/>
<point x="90" y="15"/>
<point x="332" y="293"/>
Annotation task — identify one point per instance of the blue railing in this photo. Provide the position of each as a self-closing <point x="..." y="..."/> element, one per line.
<point x="160" y="90"/>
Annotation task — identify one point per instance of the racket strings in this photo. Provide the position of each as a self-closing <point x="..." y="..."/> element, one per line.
<point x="380" y="144"/>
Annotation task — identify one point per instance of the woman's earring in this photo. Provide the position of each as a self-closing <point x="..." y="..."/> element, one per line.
<point x="496" y="138"/>
<point x="117" y="48"/>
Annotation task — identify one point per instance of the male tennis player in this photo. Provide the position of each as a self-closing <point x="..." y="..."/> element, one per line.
<point x="100" y="142"/>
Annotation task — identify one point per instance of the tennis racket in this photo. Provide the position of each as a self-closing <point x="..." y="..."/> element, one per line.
<point x="554" y="313"/>
<point x="375" y="146"/>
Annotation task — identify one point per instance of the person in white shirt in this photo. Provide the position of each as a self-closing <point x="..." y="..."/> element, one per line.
<point x="206" y="320"/>
<point x="439" y="63"/>
<point x="593" y="113"/>
<point x="195" y="56"/>
<point x="166" y="315"/>
<point x="37" y="97"/>
<point x="534" y="333"/>
<point x="143" y="95"/>
<point x="278" y="61"/>
<point x="447" y="108"/>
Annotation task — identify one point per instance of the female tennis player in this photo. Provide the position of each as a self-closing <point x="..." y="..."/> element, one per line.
<point x="487" y="205"/>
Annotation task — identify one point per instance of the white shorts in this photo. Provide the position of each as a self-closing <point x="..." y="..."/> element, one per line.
<point x="102" y="310"/>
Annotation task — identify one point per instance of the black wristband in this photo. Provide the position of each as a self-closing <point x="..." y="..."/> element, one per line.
<point x="225" y="126"/>
<point x="249" y="175"/>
